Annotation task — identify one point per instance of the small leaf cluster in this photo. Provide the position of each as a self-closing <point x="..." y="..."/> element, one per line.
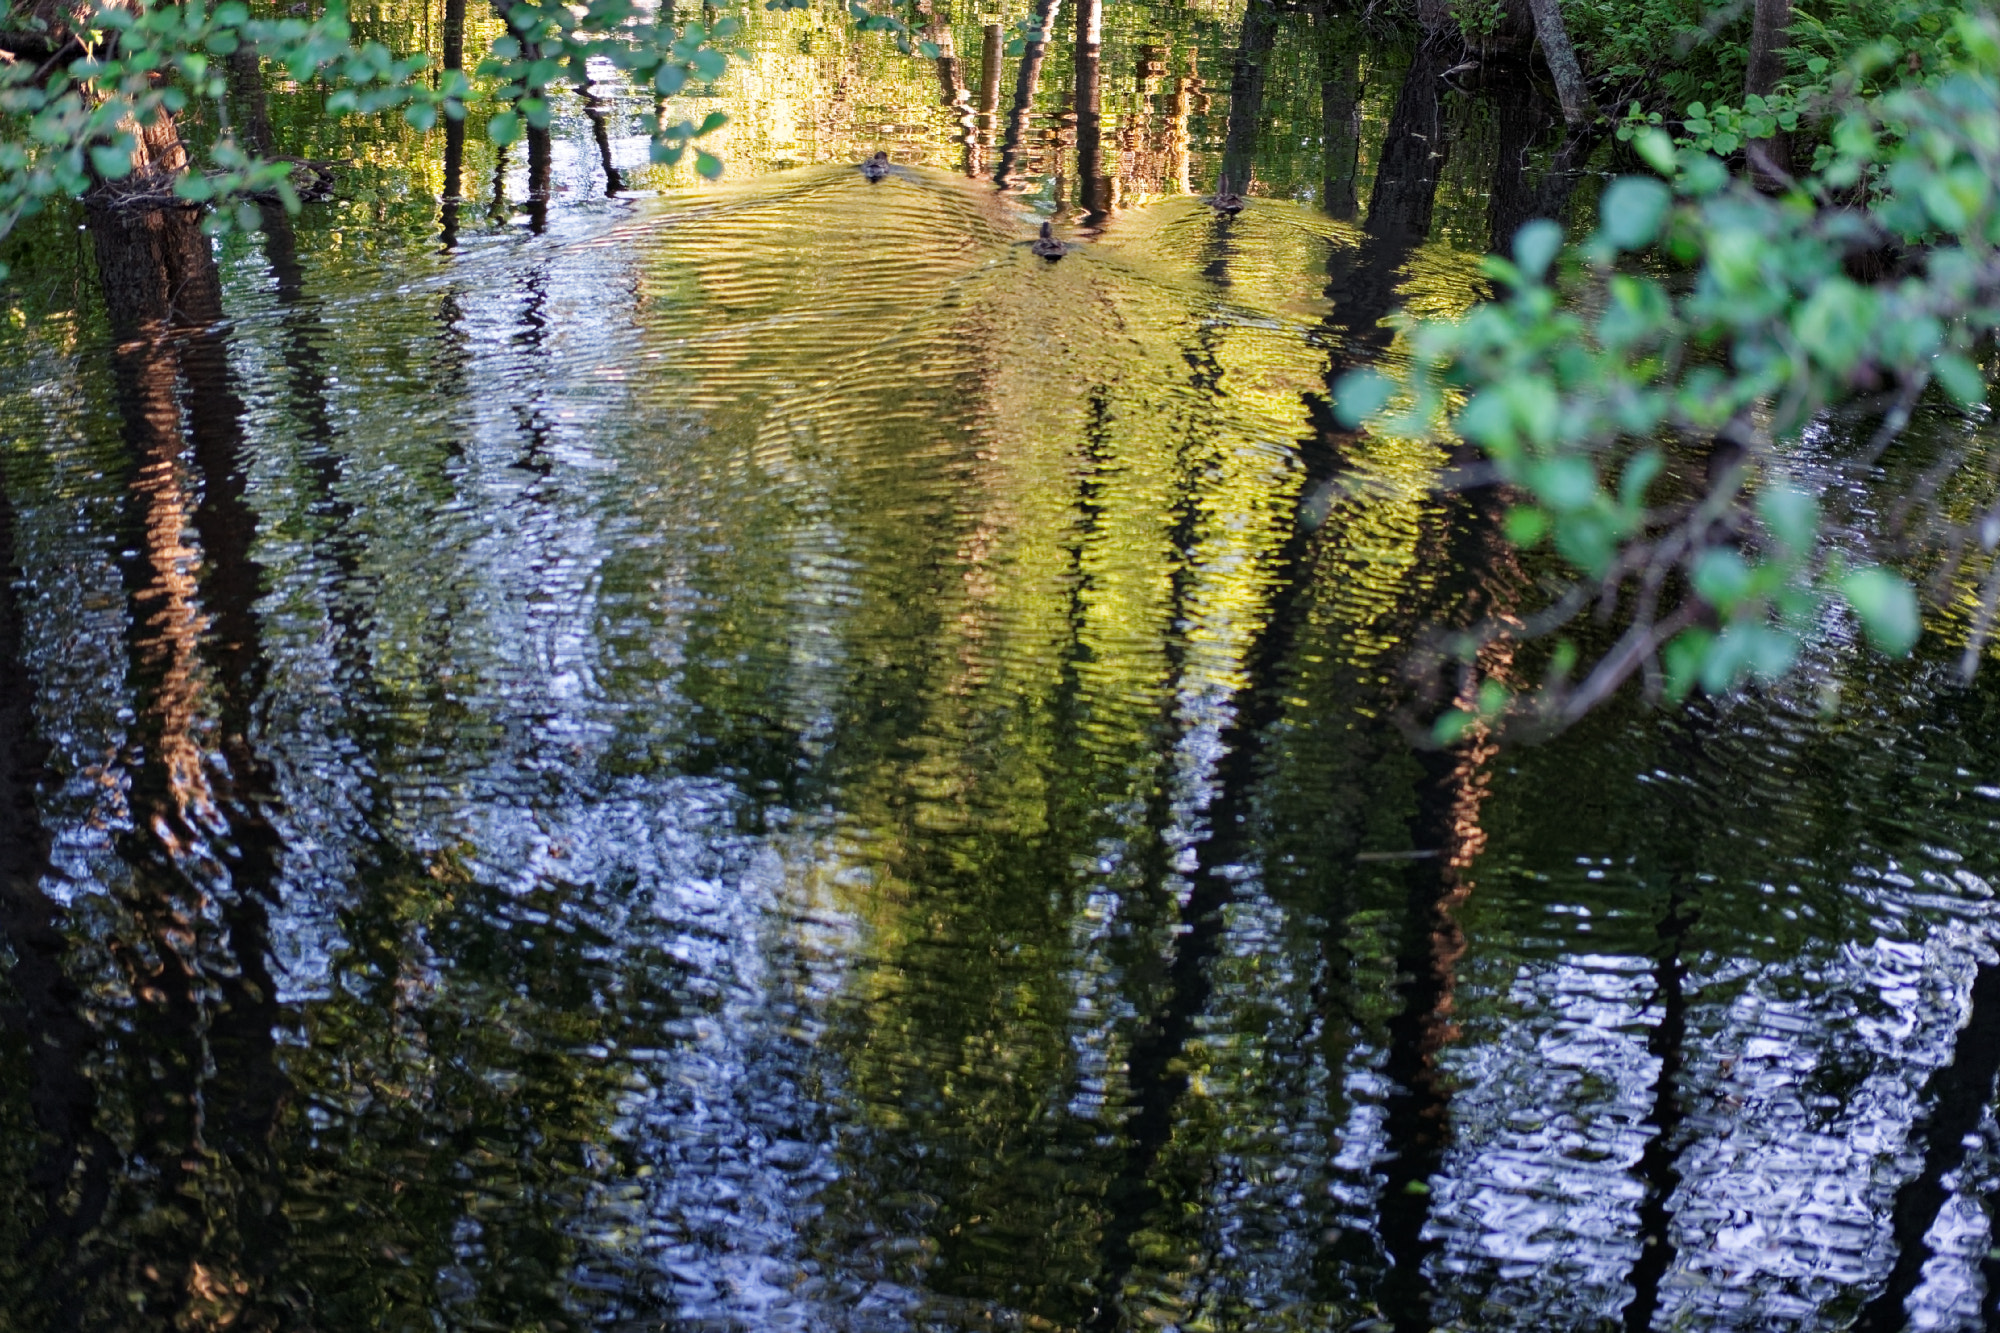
<point x="1722" y="129"/>
<point x="1026" y="30"/>
<point x="548" y="42"/>
<point x="68" y="120"/>
<point x="1598" y="363"/>
<point x="867" y="20"/>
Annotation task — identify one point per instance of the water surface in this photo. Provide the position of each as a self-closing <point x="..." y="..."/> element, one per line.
<point x="618" y="752"/>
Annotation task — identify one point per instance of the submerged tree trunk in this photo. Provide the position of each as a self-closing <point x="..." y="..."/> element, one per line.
<point x="1770" y="23"/>
<point x="1578" y="109"/>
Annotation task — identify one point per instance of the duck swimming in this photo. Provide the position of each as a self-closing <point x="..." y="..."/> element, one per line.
<point x="1048" y="247"/>
<point x="1225" y="200"/>
<point x="876" y="167"/>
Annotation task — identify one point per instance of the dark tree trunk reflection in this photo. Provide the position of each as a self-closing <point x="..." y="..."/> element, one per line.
<point x="1659" y="1162"/>
<point x="599" y="112"/>
<point x="1445" y="838"/>
<point x="206" y="1090"/>
<point x="1363" y="282"/>
<point x="1519" y="116"/>
<point x="1026" y="79"/>
<point x="1960" y="1096"/>
<point x="980" y="143"/>
<point x="1246" y="93"/>
<point x="71" y="1174"/>
<point x="1340" y="117"/>
<point x="541" y="156"/>
<point x="1156" y="1070"/>
<point x="1093" y="182"/>
<point x="454" y="130"/>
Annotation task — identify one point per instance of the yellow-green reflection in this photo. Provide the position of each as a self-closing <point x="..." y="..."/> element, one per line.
<point x="818" y="768"/>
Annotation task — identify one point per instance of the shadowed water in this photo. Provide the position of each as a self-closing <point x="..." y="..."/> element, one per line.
<point x="755" y="755"/>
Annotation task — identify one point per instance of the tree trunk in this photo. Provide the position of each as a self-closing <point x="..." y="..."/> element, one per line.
<point x="1577" y="107"/>
<point x="1770" y="159"/>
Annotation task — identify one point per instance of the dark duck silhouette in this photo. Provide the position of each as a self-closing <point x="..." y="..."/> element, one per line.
<point x="1047" y="246"/>
<point x="876" y="167"/>
<point x="1225" y="200"/>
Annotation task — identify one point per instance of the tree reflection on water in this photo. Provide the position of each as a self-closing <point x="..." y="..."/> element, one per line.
<point x="579" y="749"/>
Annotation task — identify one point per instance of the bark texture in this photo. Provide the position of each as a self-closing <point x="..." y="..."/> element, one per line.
<point x="1577" y="106"/>
<point x="1770" y="33"/>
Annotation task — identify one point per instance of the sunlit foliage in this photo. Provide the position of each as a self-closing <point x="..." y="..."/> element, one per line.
<point x="1851" y="293"/>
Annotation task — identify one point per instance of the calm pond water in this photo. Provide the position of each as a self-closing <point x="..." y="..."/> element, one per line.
<point x="754" y="755"/>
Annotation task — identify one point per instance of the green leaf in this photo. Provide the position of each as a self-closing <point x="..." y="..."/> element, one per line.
<point x="1632" y="210"/>
<point x="504" y="128"/>
<point x="1960" y="378"/>
<point x="1835" y="323"/>
<point x="1586" y="540"/>
<point x="1451" y="726"/>
<point x="1656" y="146"/>
<point x="1361" y="394"/>
<point x="110" y="162"/>
<point x="1682" y="658"/>
<point x="1886" y="607"/>
<point x="1566" y="484"/>
<point x="1535" y="247"/>
<point x="1791" y="515"/>
<point x="1638" y="475"/>
<point x="1535" y="407"/>
<point x="711" y="122"/>
<point x="1526" y="525"/>
<point x="709" y="165"/>
<point x="1722" y="578"/>
<point x="1980" y="38"/>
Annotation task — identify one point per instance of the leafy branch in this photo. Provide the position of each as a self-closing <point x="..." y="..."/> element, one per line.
<point x="1593" y="383"/>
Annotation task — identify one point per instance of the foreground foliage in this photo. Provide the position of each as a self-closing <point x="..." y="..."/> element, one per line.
<point x="81" y="94"/>
<point x="1852" y="293"/>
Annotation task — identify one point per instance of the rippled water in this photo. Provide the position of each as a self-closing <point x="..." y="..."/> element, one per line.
<point x="757" y="756"/>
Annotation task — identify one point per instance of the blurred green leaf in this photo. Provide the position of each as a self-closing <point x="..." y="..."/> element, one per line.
<point x="1632" y="209"/>
<point x="1361" y="394"/>
<point x="1886" y="607"/>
